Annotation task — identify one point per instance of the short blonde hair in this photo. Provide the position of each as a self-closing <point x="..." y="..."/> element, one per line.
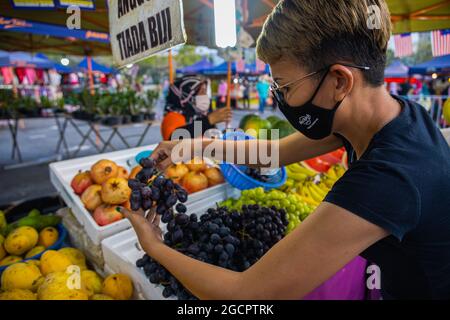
<point x="318" y="33"/>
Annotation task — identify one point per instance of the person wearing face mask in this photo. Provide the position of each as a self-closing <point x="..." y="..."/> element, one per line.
<point x="392" y="205"/>
<point x="188" y="102"/>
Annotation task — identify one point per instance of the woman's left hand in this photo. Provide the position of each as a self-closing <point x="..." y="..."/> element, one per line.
<point x="147" y="228"/>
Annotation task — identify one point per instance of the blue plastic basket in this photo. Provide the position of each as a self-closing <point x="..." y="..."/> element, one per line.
<point x="62" y="231"/>
<point x="235" y="175"/>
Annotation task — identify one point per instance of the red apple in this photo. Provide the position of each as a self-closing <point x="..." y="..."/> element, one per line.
<point x="81" y="182"/>
<point x="214" y="176"/>
<point x="176" y="172"/>
<point x="194" y="181"/>
<point x="105" y="215"/>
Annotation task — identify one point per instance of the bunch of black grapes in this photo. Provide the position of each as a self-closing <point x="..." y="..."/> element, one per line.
<point x="162" y="192"/>
<point x="229" y="239"/>
<point x="256" y="174"/>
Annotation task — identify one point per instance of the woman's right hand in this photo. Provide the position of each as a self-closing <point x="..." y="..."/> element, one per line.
<point x="220" y="115"/>
<point x="163" y="153"/>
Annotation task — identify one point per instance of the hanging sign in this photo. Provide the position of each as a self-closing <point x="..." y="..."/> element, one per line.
<point x="32" y="4"/>
<point x="139" y="28"/>
<point x="83" y="4"/>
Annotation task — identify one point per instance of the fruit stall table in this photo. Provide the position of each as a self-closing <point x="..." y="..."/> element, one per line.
<point x="114" y="248"/>
<point x="101" y="144"/>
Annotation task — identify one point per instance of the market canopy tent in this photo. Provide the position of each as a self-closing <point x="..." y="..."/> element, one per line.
<point x="197" y="67"/>
<point x="24" y="59"/>
<point x="57" y="66"/>
<point x="222" y="69"/>
<point x="407" y="16"/>
<point x="28" y="35"/>
<point x="436" y="65"/>
<point x="96" y="67"/>
<point x="397" y="69"/>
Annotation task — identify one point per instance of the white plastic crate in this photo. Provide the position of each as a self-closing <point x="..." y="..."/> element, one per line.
<point x="61" y="174"/>
<point x="122" y="250"/>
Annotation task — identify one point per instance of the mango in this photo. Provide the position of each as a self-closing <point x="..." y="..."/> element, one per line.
<point x="10" y="260"/>
<point x="118" y="286"/>
<point x="92" y="281"/>
<point x="34" y="252"/>
<point x="21" y="276"/>
<point x="2" y="249"/>
<point x="58" y="286"/>
<point x="48" y="236"/>
<point x="18" y="294"/>
<point x="75" y="256"/>
<point x="21" y="240"/>
<point x="54" y="261"/>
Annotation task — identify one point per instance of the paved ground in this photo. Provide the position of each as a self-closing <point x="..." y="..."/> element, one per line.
<point x="37" y="141"/>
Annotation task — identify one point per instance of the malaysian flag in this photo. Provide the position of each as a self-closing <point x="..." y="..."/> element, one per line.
<point x="440" y="40"/>
<point x="403" y="45"/>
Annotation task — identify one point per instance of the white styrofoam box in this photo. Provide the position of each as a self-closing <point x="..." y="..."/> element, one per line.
<point x="122" y="250"/>
<point x="61" y="174"/>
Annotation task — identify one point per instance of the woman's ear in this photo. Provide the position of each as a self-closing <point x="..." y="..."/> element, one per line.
<point x="344" y="81"/>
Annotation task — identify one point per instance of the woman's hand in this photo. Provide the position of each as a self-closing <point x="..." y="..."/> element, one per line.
<point x="147" y="228"/>
<point x="220" y="115"/>
<point x="163" y="153"/>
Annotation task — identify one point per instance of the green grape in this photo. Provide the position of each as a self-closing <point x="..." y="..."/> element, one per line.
<point x="285" y="203"/>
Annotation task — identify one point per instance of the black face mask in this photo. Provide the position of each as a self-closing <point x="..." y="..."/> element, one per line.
<point x="313" y="121"/>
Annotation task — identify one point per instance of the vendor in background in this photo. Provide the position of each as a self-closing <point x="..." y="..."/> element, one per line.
<point x="391" y="206"/>
<point x="263" y="93"/>
<point x="222" y="94"/>
<point x="187" y="102"/>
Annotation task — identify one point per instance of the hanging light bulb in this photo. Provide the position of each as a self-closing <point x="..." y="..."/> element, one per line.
<point x="225" y="23"/>
<point x="65" y="61"/>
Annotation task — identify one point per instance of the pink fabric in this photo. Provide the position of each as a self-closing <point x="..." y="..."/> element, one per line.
<point x="347" y="284"/>
<point x="30" y="73"/>
<point x="223" y="88"/>
<point x="7" y="74"/>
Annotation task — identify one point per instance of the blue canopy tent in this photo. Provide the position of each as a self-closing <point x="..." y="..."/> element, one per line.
<point x="57" y="66"/>
<point x="397" y="69"/>
<point x="436" y="65"/>
<point x="222" y="69"/>
<point x="96" y="67"/>
<point x="24" y="59"/>
<point x="197" y="68"/>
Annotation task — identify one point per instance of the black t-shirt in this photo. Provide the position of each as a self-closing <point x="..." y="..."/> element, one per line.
<point x="402" y="184"/>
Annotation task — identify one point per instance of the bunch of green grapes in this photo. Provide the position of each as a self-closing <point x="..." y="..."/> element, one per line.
<point x="296" y="209"/>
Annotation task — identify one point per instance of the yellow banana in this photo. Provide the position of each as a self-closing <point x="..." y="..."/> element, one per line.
<point x="340" y="171"/>
<point x="328" y="182"/>
<point x="296" y="175"/>
<point x="319" y="191"/>
<point x="314" y="194"/>
<point x="331" y="173"/>
<point x="323" y="187"/>
<point x="297" y="167"/>
<point x="309" y="201"/>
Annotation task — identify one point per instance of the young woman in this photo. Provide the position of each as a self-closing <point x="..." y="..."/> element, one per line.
<point x="391" y="207"/>
<point x="188" y="102"/>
